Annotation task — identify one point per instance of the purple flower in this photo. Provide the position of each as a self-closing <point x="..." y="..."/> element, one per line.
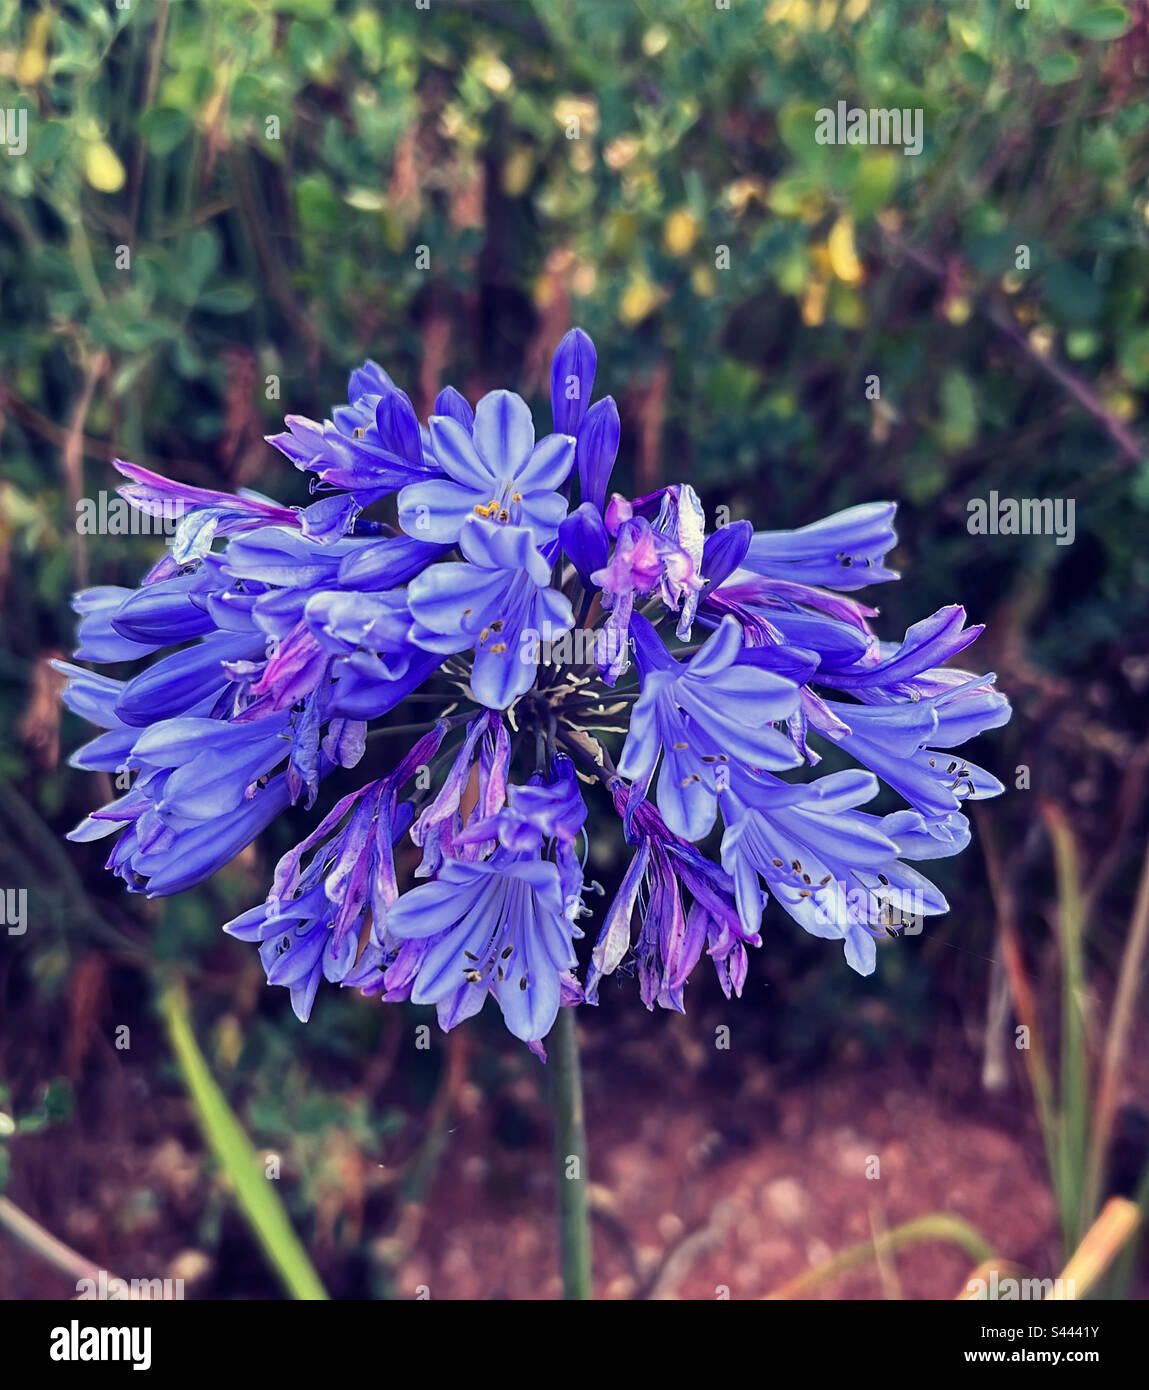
<point x="495" y="926"/>
<point x="267" y="640"/>
<point x="494" y="472"/>
<point x="703" y="720"/>
<point x="490" y="604"/>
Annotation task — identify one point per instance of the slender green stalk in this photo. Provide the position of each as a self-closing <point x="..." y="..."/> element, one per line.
<point x="1074" y="1080"/>
<point x="236" y="1154"/>
<point x="570" y="1156"/>
<point x="1117" y="1042"/>
<point x="938" y="1226"/>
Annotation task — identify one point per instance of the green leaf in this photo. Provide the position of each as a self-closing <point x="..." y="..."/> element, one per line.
<point x="1072" y="295"/>
<point x="1056" y="68"/>
<point x="1102" y="24"/>
<point x="164" y="129"/>
<point x="227" y="299"/>
<point x="235" y="1152"/>
<point x="875" y="184"/>
<point x="959" y="411"/>
<point x="976" y="71"/>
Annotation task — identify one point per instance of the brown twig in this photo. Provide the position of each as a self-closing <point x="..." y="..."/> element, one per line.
<point x="1128" y="443"/>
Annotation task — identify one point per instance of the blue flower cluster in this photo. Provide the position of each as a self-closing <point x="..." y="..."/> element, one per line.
<point x="560" y="641"/>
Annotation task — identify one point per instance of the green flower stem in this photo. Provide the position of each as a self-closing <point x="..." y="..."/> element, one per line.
<point x="571" y="1174"/>
<point x="261" y="1208"/>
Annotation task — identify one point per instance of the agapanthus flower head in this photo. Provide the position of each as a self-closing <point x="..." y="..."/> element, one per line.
<point x="576" y="653"/>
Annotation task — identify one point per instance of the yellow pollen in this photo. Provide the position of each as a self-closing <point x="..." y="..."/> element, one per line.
<point x="497" y="625"/>
<point x="516" y="496"/>
<point x="498" y="648"/>
<point x="486" y="632"/>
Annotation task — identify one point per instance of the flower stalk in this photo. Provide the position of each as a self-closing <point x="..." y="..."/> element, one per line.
<point x="571" y="1177"/>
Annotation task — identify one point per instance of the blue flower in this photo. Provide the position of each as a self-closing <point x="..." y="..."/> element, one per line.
<point x="495" y="472"/>
<point x="843" y="551"/>
<point x="268" y="639"/>
<point x="834" y="869"/>
<point x="494" y="926"/>
<point x="702" y="720"/>
<point x="500" y="596"/>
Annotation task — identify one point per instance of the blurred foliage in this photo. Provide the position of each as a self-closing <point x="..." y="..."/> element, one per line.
<point x="225" y="206"/>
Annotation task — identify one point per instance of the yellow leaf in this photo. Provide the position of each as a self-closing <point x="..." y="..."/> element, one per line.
<point x="827" y="11"/>
<point x="639" y="299"/>
<point x="33" y="62"/>
<point x="702" y="281"/>
<point x="102" y="168"/>
<point x="958" y="309"/>
<point x="365" y="199"/>
<point x="843" y="254"/>
<point x="517" y="170"/>
<point x="814" y="303"/>
<point x="680" y="232"/>
<point x="496" y="76"/>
